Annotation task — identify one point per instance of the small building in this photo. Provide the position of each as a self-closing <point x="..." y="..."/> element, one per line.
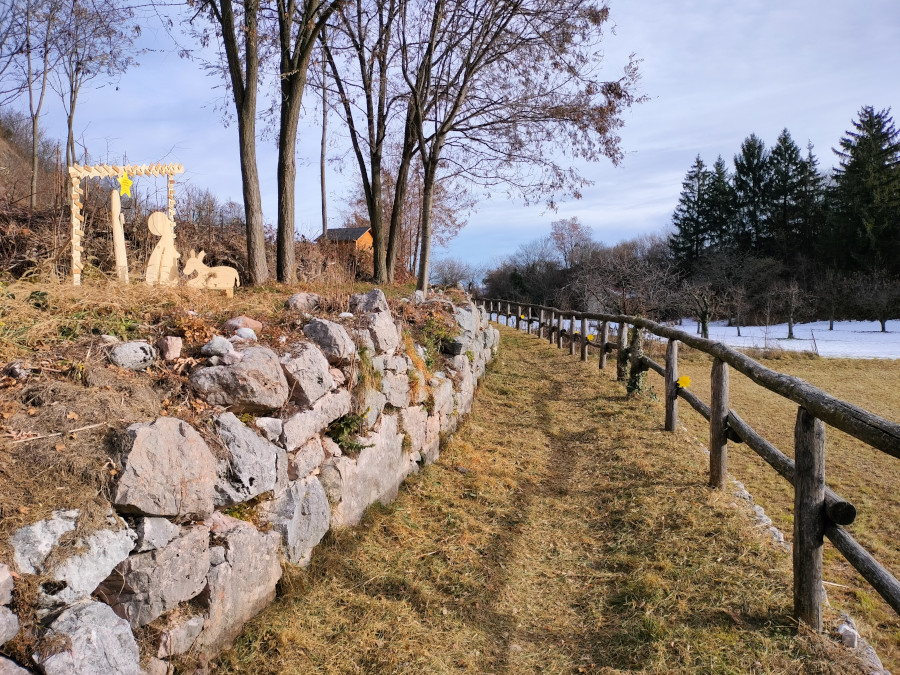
<point x="360" y="236"/>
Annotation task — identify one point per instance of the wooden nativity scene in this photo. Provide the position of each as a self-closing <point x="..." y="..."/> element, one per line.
<point x="162" y="265"/>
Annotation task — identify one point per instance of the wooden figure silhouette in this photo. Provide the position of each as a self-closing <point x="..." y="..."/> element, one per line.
<point x="117" y="220"/>
<point x="215" y="278"/>
<point x="162" y="267"/>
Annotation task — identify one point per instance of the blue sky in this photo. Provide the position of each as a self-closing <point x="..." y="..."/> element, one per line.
<point x="713" y="72"/>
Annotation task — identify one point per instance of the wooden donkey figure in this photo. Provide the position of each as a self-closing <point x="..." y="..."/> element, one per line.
<point x="215" y="278"/>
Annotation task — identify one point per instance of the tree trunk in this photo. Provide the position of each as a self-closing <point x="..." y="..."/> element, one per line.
<point x="790" y="325"/>
<point x="291" y="98"/>
<point x="704" y="325"/>
<point x="427" y="199"/>
<point x="322" y="154"/>
<point x="376" y="220"/>
<point x="400" y="187"/>
<point x="32" y="202"/>
<point x="256" y="241"/>
<point x="883" y="323"/>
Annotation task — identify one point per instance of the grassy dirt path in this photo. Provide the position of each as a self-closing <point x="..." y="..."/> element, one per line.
<point x="561" y="531"/>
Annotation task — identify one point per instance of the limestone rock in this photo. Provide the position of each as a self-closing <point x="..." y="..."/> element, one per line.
<point x="33" y="543"/>
<point x="8" y="667"/>
<point x="168" y="471"/>
<point x="154" y="533"/>
<point x="339" y="378"/>
<point x="252" y="465"/>
<point x="442" y="394"/>
<point x="299" y="428"/>
<point x="333" y="339"/>
<point x="145" y="585"/>
<point x="373" y="301"/>
<point x="135" y="355"/>
<point x="255" y="385"/>
<point x="97" y="554"/>
<point x="307" y="459"/>
<point x="6" y="585"/>
<point x="101" y="643"/>
<point x="370" y="406"/>
<point x="345" y="315"/>
<point x="9" y="622"/>
<point x="270" y="427"/>
<point x="302" y="516"/>
<point x="375" y="475"/>
<point x="396" y="388"/>
<point x="307" y="373"/>
<point x="218" y="346"/>
<point x="384" y="332"/>
<point x="233" y="324"/>
<point x="178" y="637"/>
<point x="155" y="666"/>
<point x="78" y="575"/>
<point x="243" y="335"/>
<point x="170" y="347"/>
<point x="364" y="339"/>
<point x="241" y="586"/>
<point x="414" y="422"/>
<point x="303" y="302"/>
<point x="431" y="449"/>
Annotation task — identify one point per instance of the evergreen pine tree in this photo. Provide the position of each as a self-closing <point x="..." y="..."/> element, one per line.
<point x="691" y="217"/>
<point x="720" y="207"/>
<point x="867" y="190"/>
<point x="811" y="204"/>
<point x="752" y="180"/>
<point x="783" y="218"/>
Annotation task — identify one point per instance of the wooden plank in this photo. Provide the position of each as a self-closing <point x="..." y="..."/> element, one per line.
<point x="872" y="571"/>
<point x="718" y="438"/>
<point x="622" y="353"/>
<point x="671" y="375"/>
<point x="572" y="335"/>
<point x="604" y="339"/>
<point x="809" y="518"/>
<point x="650" y="364"/>
<point x="837" y="508"/>
<point x="584" y="340"/>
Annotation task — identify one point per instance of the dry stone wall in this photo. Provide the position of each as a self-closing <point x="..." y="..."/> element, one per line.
<point x="172" y="555"/>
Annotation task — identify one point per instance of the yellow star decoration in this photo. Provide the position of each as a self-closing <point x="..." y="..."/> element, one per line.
<point x="683" y="382"/>
<point x="125" y="184"/>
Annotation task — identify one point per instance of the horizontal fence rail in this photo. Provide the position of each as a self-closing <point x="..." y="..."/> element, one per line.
<point x="818" y="511"/>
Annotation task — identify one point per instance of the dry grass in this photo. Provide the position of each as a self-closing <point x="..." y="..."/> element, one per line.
<point x="861" y="474"/>
<point x="560" y="532"/>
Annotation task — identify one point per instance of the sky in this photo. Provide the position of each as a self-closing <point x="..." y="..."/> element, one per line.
<point x="712" y="71"/>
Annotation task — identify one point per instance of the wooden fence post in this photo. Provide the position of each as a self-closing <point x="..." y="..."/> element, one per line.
<point x="809" y="518"/>
<point x="508" y="312"/>
<point x="718" y="414"/>
<point x="540" y="328"/>
<point x="604" y="337"/>
<point x="622" y="353"/>
<point x="559" y="329"/>
<point x="671" y="385"/>
<point x="551" y="324"/>
<point x="572" y="335"/>
<point x="636" y="377"/>
<point x="518" y="317"/>
<point x="584" y="340"/>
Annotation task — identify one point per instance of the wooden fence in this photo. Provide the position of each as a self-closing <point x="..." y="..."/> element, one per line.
<point x="818" y="510"/>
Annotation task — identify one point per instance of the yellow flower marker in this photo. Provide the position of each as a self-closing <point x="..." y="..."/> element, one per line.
<point x="683" y="382"/>
<point x="125" y="184"/>
<point x="590" y="338"/>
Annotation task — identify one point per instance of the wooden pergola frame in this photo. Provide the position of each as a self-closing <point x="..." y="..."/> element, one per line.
<point x="77" y="172"/>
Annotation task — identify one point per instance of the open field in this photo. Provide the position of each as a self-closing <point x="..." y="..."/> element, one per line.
<point x="861" y="474"/>
<point x="561" y="531"/>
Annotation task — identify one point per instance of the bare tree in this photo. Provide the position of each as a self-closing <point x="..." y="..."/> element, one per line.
<point x="359" y="53"/>
<point x="95" y="40"/>
<point x="238" y="28"/>
<point x="299" y="24"/>
<point x="570" y="237"/>
<point x="453" y="271"/>
<point x="39" y="22"/>
<point x="501" y="85"/>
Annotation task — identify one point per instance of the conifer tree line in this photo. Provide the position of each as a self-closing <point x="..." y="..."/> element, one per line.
<point x="770" y="238"/>
<point x="774" y="224"/>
